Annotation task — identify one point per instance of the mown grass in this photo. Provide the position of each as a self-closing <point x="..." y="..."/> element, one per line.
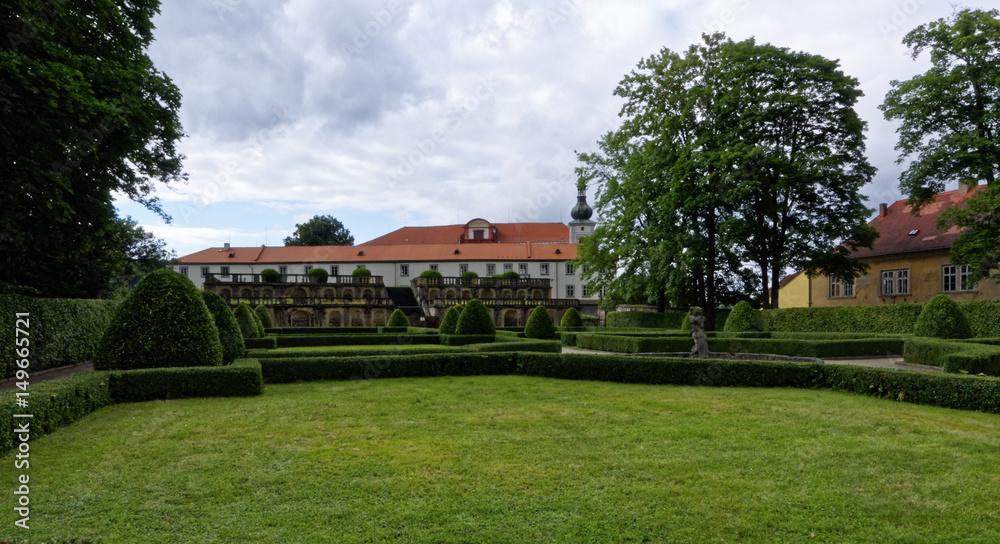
<point x="517" y="459"/>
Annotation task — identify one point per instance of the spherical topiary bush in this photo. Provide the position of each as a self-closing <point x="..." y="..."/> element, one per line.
<point x="398" y="319"/>
<point x="469" y="275"/>
<point x="270" y="275"/>
<point x="430" y="274"/>
<point x="361" y="272"/>
<point x="475" y="319"/>
<point x="233" y="346"/>
<point x="510" y="275"/>
<point x="743" y="318"/>
<point x="318" y="275"/>
<point x="163" y="322"/>
<point x="540" y="324"/>
<point x="247" y="320"/>
<point x="571" y="318"/>
<point x="942" y="318"/>
<point x="450" y="320"/>
<point x="264" y="316"/>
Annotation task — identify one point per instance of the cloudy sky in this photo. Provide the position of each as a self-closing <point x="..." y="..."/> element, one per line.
<point x="397" y="112"/>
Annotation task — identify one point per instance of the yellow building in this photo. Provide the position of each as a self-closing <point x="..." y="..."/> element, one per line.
<point x="909" y="261"/>
<point x="794" y="291"/>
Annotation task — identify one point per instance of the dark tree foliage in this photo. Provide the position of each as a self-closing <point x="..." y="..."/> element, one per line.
<point x="950" y="128"/>
<point x="83" y="114"/>
<point x="321" y="230"/>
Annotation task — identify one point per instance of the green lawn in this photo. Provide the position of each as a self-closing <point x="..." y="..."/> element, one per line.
<point x="516" y="459"/>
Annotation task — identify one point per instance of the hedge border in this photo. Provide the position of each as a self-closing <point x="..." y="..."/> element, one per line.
<point x="243" y="378"/>
<point x="954" y="356"/>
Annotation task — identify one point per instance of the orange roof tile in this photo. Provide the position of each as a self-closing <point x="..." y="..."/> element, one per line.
<point x="384" y="253"/>
<point x="507" y="233"/>
<point x="902" y="232"/>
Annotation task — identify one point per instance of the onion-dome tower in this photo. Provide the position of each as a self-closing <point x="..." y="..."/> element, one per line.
<point x="581" y="225"/>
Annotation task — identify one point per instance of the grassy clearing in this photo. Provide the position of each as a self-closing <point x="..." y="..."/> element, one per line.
<point x="517" y="459"/>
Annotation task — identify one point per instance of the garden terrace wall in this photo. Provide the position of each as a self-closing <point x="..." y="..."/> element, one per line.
<point x="60" y="331"/>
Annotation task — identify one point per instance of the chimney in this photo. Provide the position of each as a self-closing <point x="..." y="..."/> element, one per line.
<point x="882" y="210"/>
<point x="225" y="247"/>
<point x="967" y="184"/>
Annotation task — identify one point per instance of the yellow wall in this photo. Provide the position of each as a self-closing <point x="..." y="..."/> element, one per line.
<point x="925" y="283"/>
<point x="795" y="294"/>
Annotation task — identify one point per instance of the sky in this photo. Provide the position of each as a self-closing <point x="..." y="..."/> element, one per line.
<point x="398" y="113"/>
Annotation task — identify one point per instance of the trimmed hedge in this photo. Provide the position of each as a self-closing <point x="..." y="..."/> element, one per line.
<point x="270" y="275"/>
<point x="318" y="275"/>
<point x="889" y="318"/>
<point x="792" y="347"/>
<point x="942" y="318"/>
<point x="540" y="324"/>
<point x="53" y="404"/>
<point x="357" y="352"/>
<point x="247" y="321"/>
<point x="450" y="320"/>
<point x="361" y="272"/>
<point x="571" y="318"/>
<point x="646" y="320"/>
<point x="287" y="370"/>
<point x="162" y="323"/>
<point x="430" y="274"/>
<point x="268" y="342"/>
<point x="475" y="319"/>
<point x="546" y="346"/>
<point x="984" y="317"/>
<point x="743" y="318"/>
<point x="312" y="331"/>
<point x="358" y="340"/>
<point x="953" y="356"/>
<point x="398" y="319"/>
<point x="243" y="378"/>
<point x="233" y="346"/>
<point x="264" y="316"/>
<point x="60" y="331"/>
<point x="465" y="339"/>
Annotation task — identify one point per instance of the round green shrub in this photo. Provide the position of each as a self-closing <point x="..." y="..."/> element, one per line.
<point x="233" y="346"/>
<point x="510" y="275"/>
<point x="163" y="322"/>
<point x="270" y="275"/>
<point x="475" y="319"/>
<point x="319" y="275"/>
<point x="264" y="316"/>
<point x="942" y="318"/>
<point x="361" y="272"/>
<point x="469" y="275"/>
<point x="743" y="318"/>
<point x="571" y="318"/>
<point x="540" y="324"/>
<point x="430" y="274"/>
<point x="398" y="319"/>
<point x="450" y="320"/>
<point x="247" y="321"/>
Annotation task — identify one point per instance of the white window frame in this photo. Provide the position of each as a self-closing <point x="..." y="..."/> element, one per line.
<point x="569" y="269"/>
<point x="570" y="290"/>
<point x="543" y="269"/>
<point x="205" y="270"/>
<point x="404" y="270"/>
<point x="522" y="269"/>
<point x="434" y="267"/>
<point x="895" y="282"/>
<point x="463" y="268"/>
<point x="840" y="289"/>
<point x="491" y="269"/>
<point x="334" y="269"/>
<point x="282" y="271"/>
<point x="583" y="291"/>
<point x="183" y="270"/>
<point x="955" y="279"/>
<point x="507" y="267"/>
<point x="224" y="271"/>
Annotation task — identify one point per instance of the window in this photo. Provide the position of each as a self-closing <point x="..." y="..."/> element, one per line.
<point x="334" y="269"/>
<point x="507" y="267"/>
<point x="569" y="269"/>
<point x="841" y="289"/>
<point x="204" y="271"/>
<point x="434" y="267"/>
<point x="404" y="270"/>
<point x="895" y="282"/>
<point x="282" y="270"/>
<point x="544" y="269"/>
<point x="478" y="234"/>
<point x="183" y="271"/>
<point x="522" y="269"/>
<point x="955" y="279"/>
<point x="569" y="291"/>
<point x="583" y="291"/>
<point x="224" y="270"/>
<point x="360" y="266"/>
<point x="463" y="268"/>
<point x="491" y="269"/>
<point x="306" y="269"/>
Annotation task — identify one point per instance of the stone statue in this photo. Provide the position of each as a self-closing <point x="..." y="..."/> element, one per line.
<point x="697" y="318"/>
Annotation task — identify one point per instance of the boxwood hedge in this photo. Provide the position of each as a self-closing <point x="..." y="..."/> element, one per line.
<point x="646" y="320"/>
<point x="240" y="379"/>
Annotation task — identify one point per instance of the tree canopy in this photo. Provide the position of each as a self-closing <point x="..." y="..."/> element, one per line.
<point x="83" y="114"/>
<point x="950" y="127"/>
<point x="321" y="230"/>
<point x="731" y="153"/>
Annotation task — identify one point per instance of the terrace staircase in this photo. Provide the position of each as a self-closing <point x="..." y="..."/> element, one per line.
<point x="405" y="300"/>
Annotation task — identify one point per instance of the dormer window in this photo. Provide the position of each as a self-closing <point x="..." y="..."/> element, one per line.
<point x="913" y="232"/>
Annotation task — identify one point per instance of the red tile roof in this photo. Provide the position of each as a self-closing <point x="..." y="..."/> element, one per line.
<point x="384" y="253"/>
<point x="507" y="233"/>
<point x="902" y="232"/>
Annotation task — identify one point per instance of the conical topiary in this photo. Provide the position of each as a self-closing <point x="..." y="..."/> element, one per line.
<point x="475" y="319"/>
<point x="259" y="324"/>
<point x="743" y="318"/>
<point x="247" y="320"/>
<point x="398" y="319"/>
<point x="264" y="316"/>
<point x="233" y="346"/>
<point x="540" y="324"/>
<point x="450" y="320"/>
<point x="163" y="322"/>
<point x="571" y="318"/>
<point x="942" y="318"/>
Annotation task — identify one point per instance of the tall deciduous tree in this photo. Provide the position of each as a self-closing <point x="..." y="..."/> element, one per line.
<point x="950" y="127"/>
<point x="321" y="230"/>
<point x="731" y="153"/>
<point x="83" y="114"/>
